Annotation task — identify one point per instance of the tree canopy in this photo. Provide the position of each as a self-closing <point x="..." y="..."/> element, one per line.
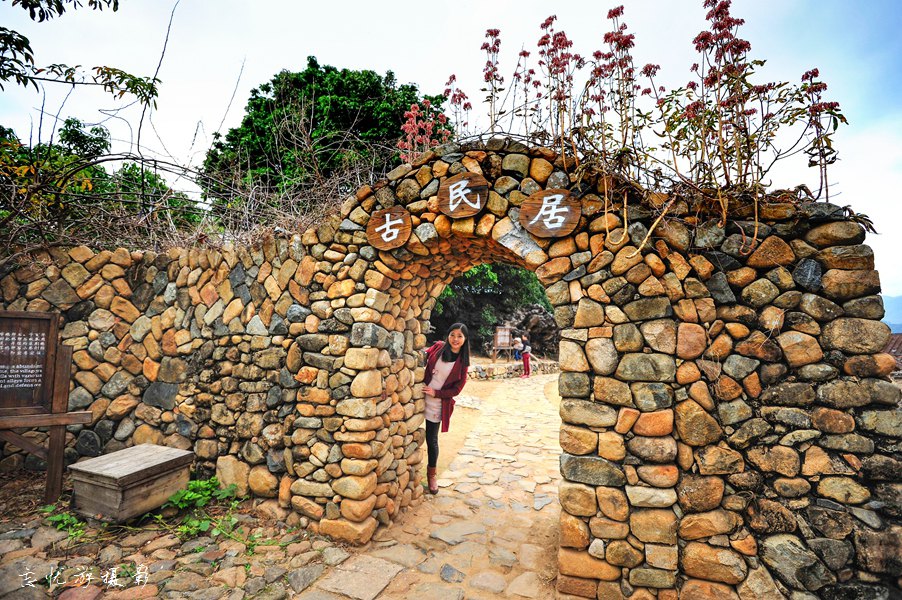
<point x="303" y="126"/>
<point x="61" y="192"/>
<point x="483" y="297"/>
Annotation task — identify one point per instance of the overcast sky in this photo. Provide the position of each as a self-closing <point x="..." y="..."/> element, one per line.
<point x="218" y="48"/>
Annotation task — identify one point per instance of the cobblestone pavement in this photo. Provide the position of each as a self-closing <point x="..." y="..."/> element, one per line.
<point x="490" y="533"/>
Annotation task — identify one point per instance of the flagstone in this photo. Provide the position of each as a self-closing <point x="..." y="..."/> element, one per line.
<point x="361" y="577"/>
<point x="456" y="532"/>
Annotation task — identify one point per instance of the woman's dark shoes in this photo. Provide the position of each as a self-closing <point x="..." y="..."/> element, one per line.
<point x="431" y="480"/>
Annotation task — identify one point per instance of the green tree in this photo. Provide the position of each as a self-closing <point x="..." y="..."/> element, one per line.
<point x="136" y="189"/>
<point x="61" y="193"/>
<point x="40" y="181"/>
<point x="87" y="143"/>
<point x="483" y="296"/>
<point x="17" y="56"/>
<point x="301" y="128"/>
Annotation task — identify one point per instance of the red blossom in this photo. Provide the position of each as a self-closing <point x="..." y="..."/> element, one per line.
<point x="693" y="109"/>
<point x="650" y="70"/>
<point x="820" y="107"/>
<point x="703" y="41"/>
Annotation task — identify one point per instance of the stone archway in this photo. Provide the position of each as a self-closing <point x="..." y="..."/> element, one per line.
<point x="727" y="427"/>
<point x="707" y="383"/>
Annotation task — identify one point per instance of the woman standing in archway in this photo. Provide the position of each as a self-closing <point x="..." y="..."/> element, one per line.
<point x="446" y="374"/>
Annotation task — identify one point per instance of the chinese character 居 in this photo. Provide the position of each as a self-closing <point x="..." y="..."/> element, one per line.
<point x="552" y="213"/>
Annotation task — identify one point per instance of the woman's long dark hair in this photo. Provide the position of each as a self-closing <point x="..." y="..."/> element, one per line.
<point x="464" y="355"/>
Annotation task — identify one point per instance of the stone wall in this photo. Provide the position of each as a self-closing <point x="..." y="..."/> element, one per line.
<point x="749" y="446"/>
<point x="728" y="430"/>
<point x="244" y="356"/>
<point x="511" y="370"/>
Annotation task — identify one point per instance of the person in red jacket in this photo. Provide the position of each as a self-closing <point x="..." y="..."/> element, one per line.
<point x="526" y="354"/>
<point x="446" y="374"/>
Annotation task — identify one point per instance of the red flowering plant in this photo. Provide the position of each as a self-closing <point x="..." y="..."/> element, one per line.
<point x="823" y="118"/>
<point x="459" y="105"/>
<point x="715" y="138"/>
<point x="558" y="63"/>
<point x="494" y="82"/>
<point x="611" y="122"/>
<point x="423" y="129"/>
<point x="526" y="92"/>
<point x="730" y="130"/>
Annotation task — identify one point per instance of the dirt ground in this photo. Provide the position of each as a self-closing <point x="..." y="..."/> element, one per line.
<point x="21" y="494"/>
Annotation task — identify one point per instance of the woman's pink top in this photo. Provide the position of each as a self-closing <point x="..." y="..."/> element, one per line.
<point x="452" y="385"/>
<point x="439" y="376"/>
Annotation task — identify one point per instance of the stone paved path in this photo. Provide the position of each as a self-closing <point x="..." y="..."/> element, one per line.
<point x="491" y="532"/>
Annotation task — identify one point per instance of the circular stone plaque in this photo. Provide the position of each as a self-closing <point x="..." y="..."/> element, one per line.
<point x="389" y="228"/>
<point x="550" y="213"/>
<point x="463" y="195"/>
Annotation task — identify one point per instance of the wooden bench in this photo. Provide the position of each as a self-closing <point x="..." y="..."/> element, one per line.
<point x="124" y="484"/>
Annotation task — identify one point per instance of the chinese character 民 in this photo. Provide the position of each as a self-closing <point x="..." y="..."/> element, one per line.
<point x="552" y="212"/>
<point x="388" y="230"/>
<point x="458" y="193"/>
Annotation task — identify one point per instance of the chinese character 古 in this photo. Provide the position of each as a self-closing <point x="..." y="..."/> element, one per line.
<point x="387" y="230"/>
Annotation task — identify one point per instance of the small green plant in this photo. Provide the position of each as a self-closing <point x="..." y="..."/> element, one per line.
<point x="127" y="571"/>
<point x="198" y="521"/>
<point x="193" y="526"/>
<point x="64" y="521"/>
<point x="202" y="501"/>
<point x="199" y="493"/>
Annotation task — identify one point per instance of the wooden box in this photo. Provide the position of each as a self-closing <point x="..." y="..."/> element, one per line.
<point x="124" y="484"/>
